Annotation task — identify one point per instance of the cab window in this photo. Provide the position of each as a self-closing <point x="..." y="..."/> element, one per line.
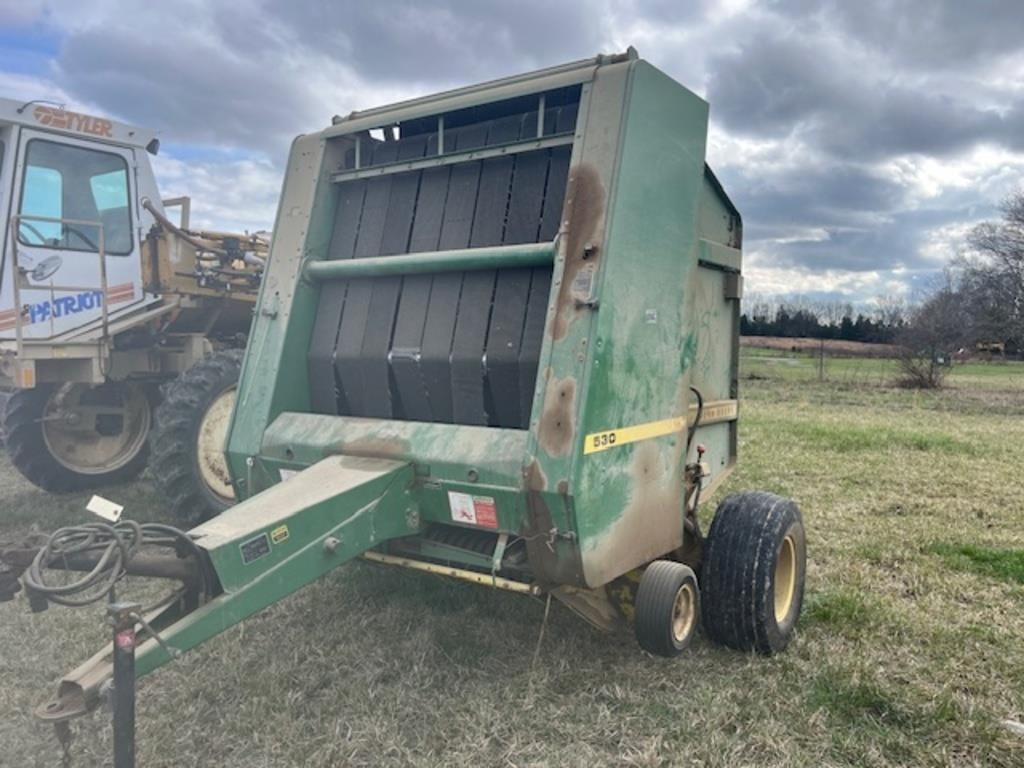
<point x="73" y="183"/>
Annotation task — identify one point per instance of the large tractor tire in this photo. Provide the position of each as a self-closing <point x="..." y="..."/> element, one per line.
<point x="752" y="576"/>
<point x="74" y="437"/>
<point x="187" y="443"/>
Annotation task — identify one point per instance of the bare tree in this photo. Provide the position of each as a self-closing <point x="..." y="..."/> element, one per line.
<point x="833" y="312"/>
<point x="757" y="306"/>
<point x="890" y="311"/>
<point x="934" y="331"/>
<point x="992" y="276"/>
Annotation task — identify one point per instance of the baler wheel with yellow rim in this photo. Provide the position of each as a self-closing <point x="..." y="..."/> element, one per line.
<point x="667" y="609"/>
<point x="752" y="579"/>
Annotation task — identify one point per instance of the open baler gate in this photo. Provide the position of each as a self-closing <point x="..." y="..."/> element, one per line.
<point x="497" y="339"/>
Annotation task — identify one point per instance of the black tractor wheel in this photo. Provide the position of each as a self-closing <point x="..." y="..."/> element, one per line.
<point x="667" y="608"/>
<point x="74" y="437"/>
<point x="188" y="464"/>
<point x="752" y="578"/>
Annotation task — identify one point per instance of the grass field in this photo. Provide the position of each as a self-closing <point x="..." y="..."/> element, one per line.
<point x="910" y="650"/>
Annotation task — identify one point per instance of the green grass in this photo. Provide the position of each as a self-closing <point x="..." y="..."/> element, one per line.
<point x="826" y="436"/>
<point x="1006" y="564"/>
<point x="804" y="367"/>
<point x="840" y="611"/>
<point x="910" y="650"/>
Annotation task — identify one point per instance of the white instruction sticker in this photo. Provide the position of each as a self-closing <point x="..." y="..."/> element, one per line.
<point x="105" y="509"/>
<point x="287" y="474"/>
<point x="462" y="507"/>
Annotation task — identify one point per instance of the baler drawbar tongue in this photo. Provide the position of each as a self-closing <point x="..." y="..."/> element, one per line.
<point x="260" y="551"/>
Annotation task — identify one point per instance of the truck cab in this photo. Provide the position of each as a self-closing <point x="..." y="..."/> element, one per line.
<point x="70" y="264"/>
<point x="103" y="299"/>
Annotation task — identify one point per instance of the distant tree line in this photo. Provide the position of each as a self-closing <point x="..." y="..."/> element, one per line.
<point x="977" y="308"/>
<point x="803" y="318"/>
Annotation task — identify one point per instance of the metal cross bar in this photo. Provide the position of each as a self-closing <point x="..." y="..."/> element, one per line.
<point x="434" y="161"/>
<point x="467" y="259"/>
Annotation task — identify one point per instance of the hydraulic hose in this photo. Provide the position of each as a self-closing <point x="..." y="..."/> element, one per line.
<point x="113" y="547"/>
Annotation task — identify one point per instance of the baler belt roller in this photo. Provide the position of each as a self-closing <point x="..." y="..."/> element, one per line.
<point x="450" y="331"/>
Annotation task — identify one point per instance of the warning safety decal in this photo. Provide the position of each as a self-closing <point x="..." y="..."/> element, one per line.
<point x="473" y="510"/>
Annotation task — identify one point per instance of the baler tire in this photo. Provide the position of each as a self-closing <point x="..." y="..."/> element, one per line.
<point x="27" y="448"/>
<point x="752" y="575"/>
<point x="175" y="459"/>
<point x="667" y="608"/>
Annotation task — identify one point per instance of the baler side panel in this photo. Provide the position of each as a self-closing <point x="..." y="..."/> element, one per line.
<point x="716" y="319"/>
<point x="568" y="335"/>
<point x="629" y="498"/>
<point x="719" y="220"/>
<point x="716" y="324"/>
<point x="275" y="372"/>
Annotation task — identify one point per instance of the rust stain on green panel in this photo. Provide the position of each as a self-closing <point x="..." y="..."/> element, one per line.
<point x="585" y="201"/>
<point x="557" y="426"/>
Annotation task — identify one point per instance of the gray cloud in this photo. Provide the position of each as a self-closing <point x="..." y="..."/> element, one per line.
<point x="782" y="85"/>
<point x="829" y="93"/>
<point x="444" y="42"/>
<point x="933" y="35"/>
<point x="193" y="86"/>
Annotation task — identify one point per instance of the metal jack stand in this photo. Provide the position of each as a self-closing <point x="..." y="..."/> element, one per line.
<point x="122" y="618"/>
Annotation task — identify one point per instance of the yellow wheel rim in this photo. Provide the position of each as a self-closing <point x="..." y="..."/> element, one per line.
<point x="785" y="578"/>
<point x="684" y="612"/>
<point x="213" y="430"/>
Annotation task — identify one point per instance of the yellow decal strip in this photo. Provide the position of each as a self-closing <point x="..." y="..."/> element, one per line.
<point x="714" y="413"/>
<point x="612" y="438"/>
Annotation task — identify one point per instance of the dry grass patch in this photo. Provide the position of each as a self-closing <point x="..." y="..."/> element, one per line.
<point x="906" y="655"/>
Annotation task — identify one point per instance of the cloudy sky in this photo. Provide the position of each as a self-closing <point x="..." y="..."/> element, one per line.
<point x="860" y="140"/>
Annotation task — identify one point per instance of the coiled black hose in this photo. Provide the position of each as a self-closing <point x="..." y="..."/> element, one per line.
<point x="113" y="546"/>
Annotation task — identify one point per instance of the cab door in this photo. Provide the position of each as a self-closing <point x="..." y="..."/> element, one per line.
<point x="8" y="153"/>
<point x="73" y="200"/>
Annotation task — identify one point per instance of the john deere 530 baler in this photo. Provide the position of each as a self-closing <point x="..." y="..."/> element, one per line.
<point x="497" y="339"/>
